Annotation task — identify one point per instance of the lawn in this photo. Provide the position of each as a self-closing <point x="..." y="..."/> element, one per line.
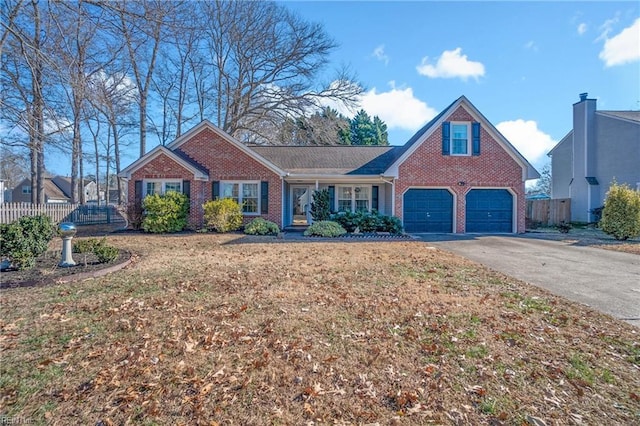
<point x="225" y="329"/>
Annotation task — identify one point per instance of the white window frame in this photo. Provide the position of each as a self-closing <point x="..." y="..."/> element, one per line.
<point x="240" y="200"/>
<point x="469" y="138"/>
<point x="26" y="189"/>
<point x="353" y="208"/>
<point x="163" y="185"/>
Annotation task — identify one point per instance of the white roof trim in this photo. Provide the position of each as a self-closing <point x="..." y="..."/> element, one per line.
<point x="206" y="124"/>
<point x="529" y="172"/>
<point x="155" y="153"/>
<point x="616" y="117"/>
<point x="568" y="136"/>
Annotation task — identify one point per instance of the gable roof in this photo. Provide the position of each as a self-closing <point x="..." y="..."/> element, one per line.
<point x="329" y="159"/>
<point x="198" y="173"/>
<point x="568" y="137"/>
<point x="206" y="124"/>
<point x="622" y="115"/>
<point x="529" y="172"/>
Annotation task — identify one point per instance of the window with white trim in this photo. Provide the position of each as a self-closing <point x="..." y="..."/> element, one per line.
<point x="247" y="194"/>
<point x="460" y="138"/>
<point x="354" y="198"/>
<point x="26" y="189"/>
<point x="161" y="187"/>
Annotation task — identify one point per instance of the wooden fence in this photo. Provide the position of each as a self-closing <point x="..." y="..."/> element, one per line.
<point x="76" y="213"/>
<point x="549" y="212"/>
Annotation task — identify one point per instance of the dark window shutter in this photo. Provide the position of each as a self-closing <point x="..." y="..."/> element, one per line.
<point x="446" y="138"/>
<point x="186" y="188"/>
<point x="374" y="197"/>
<point x="264" y="197"/>
<point x="476" y="138"/>
<point x="215" y="190"/>
<point x="332" y="198"/>
<point x="138" y="190"/>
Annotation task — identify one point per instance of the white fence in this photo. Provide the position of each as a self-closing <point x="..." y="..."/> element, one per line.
<point x="10" y="212"/>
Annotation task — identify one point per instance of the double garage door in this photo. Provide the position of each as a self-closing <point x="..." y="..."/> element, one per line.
<point x="431" y="210"/>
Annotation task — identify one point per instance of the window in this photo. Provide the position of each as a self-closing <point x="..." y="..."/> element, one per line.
<point x="459" y="139"/>
<point x="162" y="187"/>
<point x="244" y="193"/>
<point x="354" y="198"/>
<point x="26" y="189"/>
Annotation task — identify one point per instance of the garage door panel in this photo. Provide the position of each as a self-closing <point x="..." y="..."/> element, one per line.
<point x="428" y="210"/>
<point x="489" y="210"/>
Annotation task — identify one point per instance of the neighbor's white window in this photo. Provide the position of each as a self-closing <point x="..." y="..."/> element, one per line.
<point x="460" y="138"/>
<point x="26" y="189"/>
<point x="247" y="194"/>
<point x="162" y="187"/>
<point x="354" y="198"/>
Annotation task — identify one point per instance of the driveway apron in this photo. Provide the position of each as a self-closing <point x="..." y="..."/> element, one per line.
<point x="606" y="280"/>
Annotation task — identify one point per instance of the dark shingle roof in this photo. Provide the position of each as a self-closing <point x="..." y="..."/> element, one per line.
<point x="350" y="160"/>
<point x="627" y="115"/>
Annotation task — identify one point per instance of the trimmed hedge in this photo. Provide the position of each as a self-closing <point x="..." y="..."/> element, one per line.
<point x="621" y="212"/>
<point x="22" y="241"/>
<point x="368" y="222"/>
<point x="260" y="226"/>
<point x="325" y="228"/>
<point x="165" y="213"/>
<point x="223" y="215"/>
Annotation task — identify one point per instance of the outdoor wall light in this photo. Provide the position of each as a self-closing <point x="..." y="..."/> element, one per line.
<point x="462" y="183"/>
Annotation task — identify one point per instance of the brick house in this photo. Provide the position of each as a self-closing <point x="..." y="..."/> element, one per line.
<point x="456" y="174"/>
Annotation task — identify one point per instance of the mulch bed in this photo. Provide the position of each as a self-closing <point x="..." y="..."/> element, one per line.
<point x="46" y="270"/>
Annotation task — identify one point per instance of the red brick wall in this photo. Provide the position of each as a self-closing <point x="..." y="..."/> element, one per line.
<point x="224" y="162"/>
<point x="493" y="168"/>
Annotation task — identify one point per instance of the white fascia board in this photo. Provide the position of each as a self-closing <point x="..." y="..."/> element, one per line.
<point x="155" y="153"/>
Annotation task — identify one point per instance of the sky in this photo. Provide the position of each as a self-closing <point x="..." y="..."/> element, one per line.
<point x="522" y="64"/>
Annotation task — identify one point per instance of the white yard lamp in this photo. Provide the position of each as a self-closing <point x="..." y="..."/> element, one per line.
<point x="67" y="230"/>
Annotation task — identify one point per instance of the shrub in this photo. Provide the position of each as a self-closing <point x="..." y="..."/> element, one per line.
<point x="21" y="242"/>
<point x="348" y="220"/>
<point x="105" y="253"/>
<point x="135" y="214"/>
<point x="564" y="227"/>
<point x="320" y="208"/>
<point x="223" y="215"/>
<point x="260" y="226"/>
<point x="391" y="224"/>
<point x="165" y="213"/>
<point x="621" y="213"/>
<point x="370" y="222"/>
<point x="325" y="228"/>
<point x="597" y="214"/>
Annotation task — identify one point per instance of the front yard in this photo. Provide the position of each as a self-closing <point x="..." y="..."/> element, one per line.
<point x="230" y="329"/>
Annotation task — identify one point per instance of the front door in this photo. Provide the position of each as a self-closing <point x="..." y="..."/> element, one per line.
<point x="301" y="204"/>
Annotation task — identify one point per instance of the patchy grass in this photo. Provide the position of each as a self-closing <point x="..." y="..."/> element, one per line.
<point x="209" y="329"/>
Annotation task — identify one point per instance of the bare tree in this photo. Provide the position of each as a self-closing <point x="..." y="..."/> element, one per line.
<point x="265" y="62"/>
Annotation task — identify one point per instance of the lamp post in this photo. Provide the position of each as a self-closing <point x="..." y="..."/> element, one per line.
<point x="67" y="230"/>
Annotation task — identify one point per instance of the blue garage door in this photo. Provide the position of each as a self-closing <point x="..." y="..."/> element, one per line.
<point x="428" y="210"/>
<point x="489" y="210"/>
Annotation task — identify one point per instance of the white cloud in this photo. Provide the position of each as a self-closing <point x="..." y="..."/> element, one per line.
<point x="397" y="107"/>
<point x="623" y="47"/>
<point x="582" y="28"/>
<point x="451" y="64"/>
<point x="380" y="55"/>
<point x="532" y="142"/>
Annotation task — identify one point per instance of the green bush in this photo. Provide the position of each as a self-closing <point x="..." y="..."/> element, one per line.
<point x="391" y="224"/>
<point x="105" y="253"/>
<point x="368" y="222"/>
<point x="84" y="246"/>
<point x="320" y="208"/>
<point x="21" y="242"/>
<point x="165" y="213"/>
<point x="223" y="215"/>
<point x="260" y="226"/>
<point x="621" y="213"/>
<point x="325" y="228"/>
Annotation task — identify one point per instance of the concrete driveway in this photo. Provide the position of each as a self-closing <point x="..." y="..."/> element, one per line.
<point x="606" y="280"/>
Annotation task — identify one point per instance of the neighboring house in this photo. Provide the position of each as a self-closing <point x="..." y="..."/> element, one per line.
<point x="456" y="174"/>
<point x="57" y="189"/>
<point x="1" y="191"/>
<point x="603" y="146"/>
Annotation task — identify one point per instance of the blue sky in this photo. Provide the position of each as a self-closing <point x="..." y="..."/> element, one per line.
<point x="522" y="64"/>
